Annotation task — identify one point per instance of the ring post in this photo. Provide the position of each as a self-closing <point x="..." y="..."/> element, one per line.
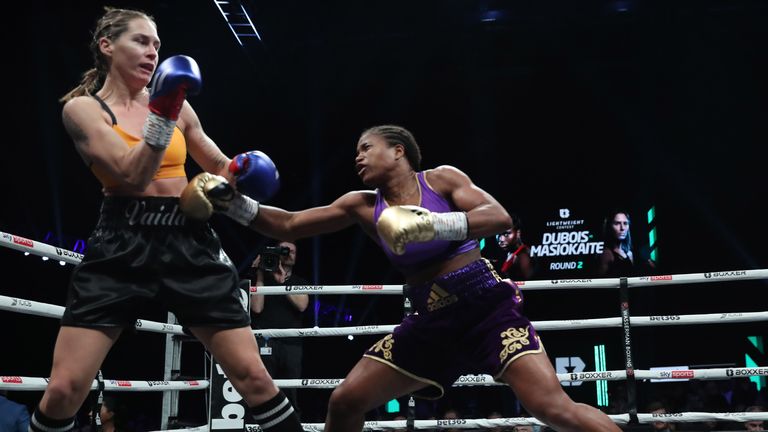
<point x="631" y="383"/>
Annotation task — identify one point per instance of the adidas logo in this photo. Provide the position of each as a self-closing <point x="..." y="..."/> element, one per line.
<point x="439" y="298"/>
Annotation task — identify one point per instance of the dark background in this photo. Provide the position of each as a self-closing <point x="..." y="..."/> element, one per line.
<point x="549" y="104"/>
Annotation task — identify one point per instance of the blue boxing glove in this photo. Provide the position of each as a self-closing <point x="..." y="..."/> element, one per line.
<point x="174" y="78"/>
<point x="256" y="175"/>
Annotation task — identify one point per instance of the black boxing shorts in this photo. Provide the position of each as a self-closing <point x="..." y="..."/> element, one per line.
<point x="143" y="252"/>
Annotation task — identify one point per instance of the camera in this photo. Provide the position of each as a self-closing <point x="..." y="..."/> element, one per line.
<point x="270" y="257"/>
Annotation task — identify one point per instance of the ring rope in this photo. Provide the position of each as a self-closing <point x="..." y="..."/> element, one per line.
<point x="38" y="248"/>
<point x="613" y="375"/>
<point x="640" y="321"/>
<point x="516" y="421"/>
<point x="519" y="421"/>
<point x="327" y="289"/>
<point x="536" y="285"/>
<point x="22" y="383"/>
<point x="30" y="307"/>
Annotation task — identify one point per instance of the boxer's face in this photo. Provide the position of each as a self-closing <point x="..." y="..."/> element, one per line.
<point x="134" y="54"/>
<point x="375" y="158"/>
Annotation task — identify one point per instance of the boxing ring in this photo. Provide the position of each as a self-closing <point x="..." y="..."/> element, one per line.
<point x="227" y="415"/>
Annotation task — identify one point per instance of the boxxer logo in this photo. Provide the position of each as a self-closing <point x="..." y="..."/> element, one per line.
<point x="321" y="381"/>
<point x="725" y="274"/>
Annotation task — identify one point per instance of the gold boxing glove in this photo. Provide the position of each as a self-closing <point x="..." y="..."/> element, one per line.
<point x="207" y="193"/>
<point x="399" y="225"/>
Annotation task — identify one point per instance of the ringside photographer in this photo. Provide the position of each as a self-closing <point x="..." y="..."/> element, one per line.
<point x="282" y="356"/>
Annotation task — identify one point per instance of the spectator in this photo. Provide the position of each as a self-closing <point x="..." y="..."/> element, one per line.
<point x="658" y="409"/>
<point x="755" y="425"/>
<point x="281" y="356"/>
<point x="14" y="417"/>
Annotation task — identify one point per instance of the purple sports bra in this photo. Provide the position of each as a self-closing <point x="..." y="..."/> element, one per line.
<point x="419" y="255"/>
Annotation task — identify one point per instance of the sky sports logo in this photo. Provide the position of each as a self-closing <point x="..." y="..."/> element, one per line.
<point x="11" y="379"/>
<point x="23" y="241"/>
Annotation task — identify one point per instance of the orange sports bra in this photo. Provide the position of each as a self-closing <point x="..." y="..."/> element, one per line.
<point x="173" y="159"/>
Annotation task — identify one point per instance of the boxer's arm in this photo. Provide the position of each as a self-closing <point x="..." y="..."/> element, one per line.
<point x="100" y="145"/>
<point x="207" y="193"/>
<point x="485" y="216"/>
<point x="291" y="225"/>
<point x="201" y="147"/>
<point x="174" y="78"/>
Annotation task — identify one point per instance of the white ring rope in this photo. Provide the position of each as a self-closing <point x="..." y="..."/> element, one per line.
<point x="30" y="307"/>
<point x="518" y="421"/>
<point x="621" y="419"/>
<point x="35" y="384"/>
<point x="515" y="421"/>
<point x="614" y="375"/>
<point x="38" y="248"/>
<point x="21" y="383"/>
<point x="639" y="321"/>
<point x="327" y="289"/>
<point x="536" y="285"/>
<point x="35" y="247"/>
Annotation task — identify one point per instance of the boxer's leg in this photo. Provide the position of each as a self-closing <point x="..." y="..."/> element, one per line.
<point x="77" y="357"/>
<point x="238" y="354"/>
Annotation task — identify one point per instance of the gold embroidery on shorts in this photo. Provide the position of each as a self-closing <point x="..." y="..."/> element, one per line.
<point x="492" y="270"/>
<point x="439" y="298"/>
<point x="384" y="345"/>
<point x="513" y="340"/>
<point x="518" y="294"/>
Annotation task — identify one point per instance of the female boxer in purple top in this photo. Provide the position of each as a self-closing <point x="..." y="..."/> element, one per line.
<point x="468" y="320"/>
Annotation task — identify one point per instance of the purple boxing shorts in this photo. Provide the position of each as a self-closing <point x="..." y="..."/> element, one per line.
<point x="467" y="321"/>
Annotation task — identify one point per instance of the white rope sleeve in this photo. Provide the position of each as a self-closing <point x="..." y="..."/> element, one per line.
<point x="21" y="383"/>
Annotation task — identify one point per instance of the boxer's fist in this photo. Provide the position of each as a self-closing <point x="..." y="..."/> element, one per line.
<point x="174" y="78"/>
<point x="399" y="225"/>
<point x="207" y="193"/>
<point x="255" y="174"/>
<point x="195" y="202"/>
